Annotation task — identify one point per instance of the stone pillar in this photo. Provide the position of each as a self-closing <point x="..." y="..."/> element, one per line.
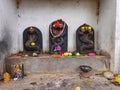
<point x="117" y="39"/>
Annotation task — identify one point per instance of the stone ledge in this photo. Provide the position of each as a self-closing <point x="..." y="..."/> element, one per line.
<point x="49" y="64"/>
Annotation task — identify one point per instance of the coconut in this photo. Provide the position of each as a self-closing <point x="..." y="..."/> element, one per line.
<point x="108" y="75"/>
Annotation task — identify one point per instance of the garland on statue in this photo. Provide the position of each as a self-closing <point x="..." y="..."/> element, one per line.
<point x="61" y="31"/>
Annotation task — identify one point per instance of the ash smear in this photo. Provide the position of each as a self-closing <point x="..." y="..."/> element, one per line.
<point x="4" y="49"/>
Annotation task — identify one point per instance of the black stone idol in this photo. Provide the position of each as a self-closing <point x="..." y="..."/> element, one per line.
<point x="32" y="40"/>
<point x="85" y="39"/>
<point x="58" y="37"/>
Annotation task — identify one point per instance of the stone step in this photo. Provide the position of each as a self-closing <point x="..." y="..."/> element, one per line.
<point x="49" y="64"/>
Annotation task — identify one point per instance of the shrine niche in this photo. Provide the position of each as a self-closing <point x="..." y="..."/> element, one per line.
<point x="32" y="40"/>
<point x="58" y="37"/>
<point x="85" y="39"/>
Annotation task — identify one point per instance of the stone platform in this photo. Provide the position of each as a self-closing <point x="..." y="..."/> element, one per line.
<point x="50" y="64"/>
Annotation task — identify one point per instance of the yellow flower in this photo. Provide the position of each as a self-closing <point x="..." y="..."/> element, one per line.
<point x="6" y="77"/>
<point x="117" y="79"/>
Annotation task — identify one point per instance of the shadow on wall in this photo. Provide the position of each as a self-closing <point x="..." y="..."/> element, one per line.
<point x="5" y="45"/>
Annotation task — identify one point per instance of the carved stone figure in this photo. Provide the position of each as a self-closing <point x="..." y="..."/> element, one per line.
<point x="58" y="36"/>
<point x="32" y="40"/>
<point x="85" y="39"/>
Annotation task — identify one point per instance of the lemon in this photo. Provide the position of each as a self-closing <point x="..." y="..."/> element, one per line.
<point x="82" y="28"/>
<point x="90" y="28"/>
<point x="66" y="54"/>
<point x="35" y="54"/>
<point x="77" y="88"/>
<point x="33" y="44"/>
<point x="77" y="54"/>
<point x="70" y="54"/>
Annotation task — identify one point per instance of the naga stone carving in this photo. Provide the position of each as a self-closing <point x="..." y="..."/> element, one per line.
<point x="32" y="40"/>
<point x="58" y="37"/>
<point x="85" y="39"/>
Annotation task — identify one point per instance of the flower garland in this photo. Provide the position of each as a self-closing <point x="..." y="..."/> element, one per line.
<point x="61" y="31"/>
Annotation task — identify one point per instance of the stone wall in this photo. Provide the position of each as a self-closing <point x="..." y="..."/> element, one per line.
<point x="41" y="13"/>
<point x="8" y="30"/>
